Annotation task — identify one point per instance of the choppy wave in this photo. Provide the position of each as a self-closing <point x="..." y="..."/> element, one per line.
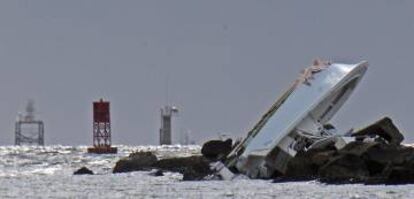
<point x="44" y="160"/>
<point x="47" y="172"/>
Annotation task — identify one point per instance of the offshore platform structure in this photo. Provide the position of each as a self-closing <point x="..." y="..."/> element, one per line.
<point x="165" y="130"/>
<point x="102" y="129"/>
<point x="28" y="130"/>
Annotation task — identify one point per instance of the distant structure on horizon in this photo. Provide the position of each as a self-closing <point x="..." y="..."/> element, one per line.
<point x="102" y="129"/>
<point x="185" y="138"/>
<point x="28" y="130"/>
<point x="165" y="130"/>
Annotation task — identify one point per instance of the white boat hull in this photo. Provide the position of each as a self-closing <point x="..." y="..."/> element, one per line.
<point x="296" y="119"/>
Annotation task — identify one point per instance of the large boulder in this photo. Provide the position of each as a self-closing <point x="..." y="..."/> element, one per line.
<point x="136" y="162"/>
<point x="192" y="168"/>
<point x="344" y="168"/>
<point x="216" y="149"/>
<point x="383" y="128"/>
<point x="305" y="165"/>
<point x="328" y="165"/>
<point x="384" y="154"/>
<point x="371" y="163"/>
<point x="399" y="175"/>
<point x="390" y="165"/>
<point x="83" y="171"/>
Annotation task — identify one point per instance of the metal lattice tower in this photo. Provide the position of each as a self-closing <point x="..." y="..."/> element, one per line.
<point x="165" y="130"/>
<point x="28" y="130"/>
<point x="102" y="128"/>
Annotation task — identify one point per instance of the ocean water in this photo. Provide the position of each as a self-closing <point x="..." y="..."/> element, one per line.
<point x="47" y="172"/>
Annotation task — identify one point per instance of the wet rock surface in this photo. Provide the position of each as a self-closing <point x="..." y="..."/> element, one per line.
<point x="192" y="168"/>
<point x="216" y="149"/>
<point x="137" y="161"/>
<point x="383" y="128"/>
<point x="381" y="160"/>
<point x="83" y="171"/>
<point x="358" y="162"/>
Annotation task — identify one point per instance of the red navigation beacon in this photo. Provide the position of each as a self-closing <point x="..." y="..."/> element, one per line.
<point x="101" y="129"/>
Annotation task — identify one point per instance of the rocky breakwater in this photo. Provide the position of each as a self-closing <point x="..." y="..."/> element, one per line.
<point x="375" y="157"/>
<point x="192" y="167"/>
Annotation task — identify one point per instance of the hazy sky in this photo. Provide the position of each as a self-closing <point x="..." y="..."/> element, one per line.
<point x="225" y="62"/>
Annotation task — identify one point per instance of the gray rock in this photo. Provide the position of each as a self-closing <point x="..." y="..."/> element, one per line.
<point x="344" y="168"/>
<point x="383" y="161"/>
<point x="192" y="168"/>
<point x="216" y="149"/>
<point x="135" y="162"/>
<point x="385" y="129"/>
<point x="357" y="162"/>
<point x="306" y="164"/>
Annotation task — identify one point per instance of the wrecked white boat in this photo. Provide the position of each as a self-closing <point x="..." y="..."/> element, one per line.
<point x="298" y="121"/>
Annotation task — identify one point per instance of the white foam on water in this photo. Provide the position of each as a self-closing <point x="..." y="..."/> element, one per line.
<point x="47" y="172"/>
